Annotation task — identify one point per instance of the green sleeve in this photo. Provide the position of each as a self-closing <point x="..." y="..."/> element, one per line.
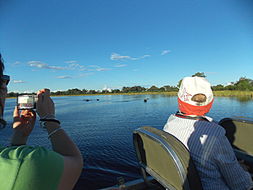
<point x="30" y="168"/>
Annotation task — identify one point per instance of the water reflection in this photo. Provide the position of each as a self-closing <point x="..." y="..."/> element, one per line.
<point x="103" y="129"/>
<point x="243" y="98"/>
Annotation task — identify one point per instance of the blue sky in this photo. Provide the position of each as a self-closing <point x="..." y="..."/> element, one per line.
<point x="60" y="44"/>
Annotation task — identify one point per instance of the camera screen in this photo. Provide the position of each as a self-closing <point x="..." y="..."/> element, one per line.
<point x="26" y="102"/>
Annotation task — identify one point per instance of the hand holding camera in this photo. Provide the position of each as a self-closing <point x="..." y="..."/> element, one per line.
<point x="41" y="102"/>
<point x="45" y="105"/>
<point x="23" y="124"/>
<point x="24" y="120"/>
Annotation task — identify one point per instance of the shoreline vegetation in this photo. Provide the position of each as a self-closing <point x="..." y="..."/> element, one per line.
<point x="229" y="93"/>
<point x="241" y="88"/>
<point x="223" y="93"/>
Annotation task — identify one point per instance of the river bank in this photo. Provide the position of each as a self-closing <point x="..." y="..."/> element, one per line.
<point x="226" y="93"/>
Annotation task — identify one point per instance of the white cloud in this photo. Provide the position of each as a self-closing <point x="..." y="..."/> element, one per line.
<point x="71" y="61"/>
<point x="85" y="74"/>
<point x="164" y="52"/>
<point x="17" y="63"/>
<point x="144" y="56"/>
<point x="64" y="77"/>
<point x="118" y="57"/>
<point x="120" y="65"/>
<point x="93" y="66"/>
<point x="102" y="69"/>
<point x="115" y="56"/>
<point x="18" y="81"/>
<point x="75" y="66"/>
<point x="98" y="68"/>
<point x="42" y="65"/>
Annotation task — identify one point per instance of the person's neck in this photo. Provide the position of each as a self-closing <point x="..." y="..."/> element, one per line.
<point x="182" y="113"/>
<point x="188" y="116"/>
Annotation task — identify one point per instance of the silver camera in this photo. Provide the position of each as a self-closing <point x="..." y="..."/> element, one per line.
<point x="27" y="101"/>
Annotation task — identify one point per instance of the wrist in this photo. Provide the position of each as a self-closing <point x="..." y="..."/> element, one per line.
<point x="51" y="126"/>
<point x="48" y="116"/>
<point x="18" y="138"/>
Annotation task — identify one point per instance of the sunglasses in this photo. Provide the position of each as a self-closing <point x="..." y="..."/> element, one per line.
<point x="6" y="79"/>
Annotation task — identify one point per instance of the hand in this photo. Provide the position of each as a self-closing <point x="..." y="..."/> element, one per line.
<point x="45" y="105"/>
<point x="23" y="123"/>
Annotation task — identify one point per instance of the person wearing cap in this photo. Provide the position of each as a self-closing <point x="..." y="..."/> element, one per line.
<point x="209" y="148"/>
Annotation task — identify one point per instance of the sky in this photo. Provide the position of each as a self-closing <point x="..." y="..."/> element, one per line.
<point x="64" y="44"/>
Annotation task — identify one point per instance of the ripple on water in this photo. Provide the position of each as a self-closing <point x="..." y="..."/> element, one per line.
<point x="103" y="129"/>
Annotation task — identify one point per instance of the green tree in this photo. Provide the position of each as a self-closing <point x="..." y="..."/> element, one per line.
<point x="92" y="92"/>
<point x="74" y="91"/>
<point x="218" y="87"/>
<point x="169" y="88"/>
<point x="12" y="94"/>
<point x="84" y="91"/>
<point x="115" y="91"/>
<point x="137" y="89"/>
<point x="244" y="84"/>
<point x="199" y="74"/>
<point x="125" y="89"/>
<point x="153" y="89"/>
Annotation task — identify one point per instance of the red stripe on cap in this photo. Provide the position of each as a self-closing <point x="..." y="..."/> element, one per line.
<point x="189" y="109"/>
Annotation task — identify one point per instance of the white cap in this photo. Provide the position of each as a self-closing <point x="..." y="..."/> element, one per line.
<point x="191" y="86"/>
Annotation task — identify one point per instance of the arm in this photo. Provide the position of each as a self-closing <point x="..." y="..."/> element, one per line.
<point x="61" y="142"/>
<point x="23" y="125"/>
<point x="235" y="176"/>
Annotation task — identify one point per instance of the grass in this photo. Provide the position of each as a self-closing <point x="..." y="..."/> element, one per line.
<point x="233" y="93"/>
<point x="130" y="93"/>
<point x="225" y="93"/>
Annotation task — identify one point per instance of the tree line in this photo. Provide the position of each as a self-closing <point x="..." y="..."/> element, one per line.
<point x="243" y="84"/>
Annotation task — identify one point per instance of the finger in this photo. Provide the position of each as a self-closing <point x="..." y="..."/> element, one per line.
<point x="24" y="112"/>
<point x="31" y="115"/>
<point x="16" y="112"/>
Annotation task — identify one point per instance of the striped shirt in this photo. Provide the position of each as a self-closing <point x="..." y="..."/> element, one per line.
<point x="211" y="152"/>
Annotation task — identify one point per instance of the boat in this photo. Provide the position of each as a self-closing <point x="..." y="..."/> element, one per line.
<point x="174" y="170"/>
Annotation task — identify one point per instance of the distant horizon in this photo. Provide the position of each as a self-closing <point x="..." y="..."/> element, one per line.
<point x="107" y="88"/>
<point x="92" y="44"/>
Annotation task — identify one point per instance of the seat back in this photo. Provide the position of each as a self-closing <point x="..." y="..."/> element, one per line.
<point x="239" y="133"/>
<point x="166" y="159"/>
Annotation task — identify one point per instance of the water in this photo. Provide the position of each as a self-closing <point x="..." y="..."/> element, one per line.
<point x="103" y="129"/>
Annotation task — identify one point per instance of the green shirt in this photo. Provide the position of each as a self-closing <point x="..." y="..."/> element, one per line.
<point x="29" y="168"/>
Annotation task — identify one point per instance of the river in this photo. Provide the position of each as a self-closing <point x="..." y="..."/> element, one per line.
<point x="102" y="128"/>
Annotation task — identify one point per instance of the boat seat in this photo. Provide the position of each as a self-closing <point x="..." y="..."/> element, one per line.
<point x="239" y="133"/>
<point x="164" y="157"/>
